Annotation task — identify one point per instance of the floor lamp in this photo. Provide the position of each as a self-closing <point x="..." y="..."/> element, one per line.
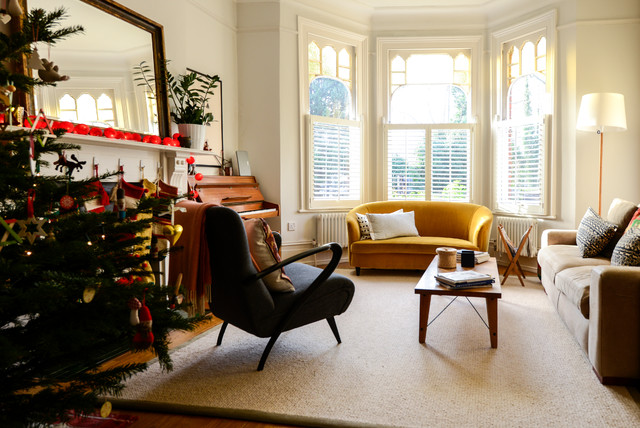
<point x="603" y="112"/>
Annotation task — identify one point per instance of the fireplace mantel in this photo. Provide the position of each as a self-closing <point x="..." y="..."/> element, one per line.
<point x="138" y="160"/>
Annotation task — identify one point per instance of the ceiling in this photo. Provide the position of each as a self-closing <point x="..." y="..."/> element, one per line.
<point x="423" y="3"/>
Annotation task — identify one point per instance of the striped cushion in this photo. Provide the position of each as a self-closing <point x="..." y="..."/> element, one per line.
<point x="593" y="234"/>
<point x="627" y="251"/>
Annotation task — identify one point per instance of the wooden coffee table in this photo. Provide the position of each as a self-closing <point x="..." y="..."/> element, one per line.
<point x="428" y="286"/>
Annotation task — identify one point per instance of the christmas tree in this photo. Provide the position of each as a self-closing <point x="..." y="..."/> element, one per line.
<point x="75" y="286"/>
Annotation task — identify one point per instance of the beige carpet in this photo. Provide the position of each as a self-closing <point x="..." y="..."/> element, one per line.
<point x="381" y="376"/>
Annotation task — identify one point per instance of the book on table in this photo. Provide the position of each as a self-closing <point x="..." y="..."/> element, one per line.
<point x="464" y="279"/>
<point x="480" y="256"/>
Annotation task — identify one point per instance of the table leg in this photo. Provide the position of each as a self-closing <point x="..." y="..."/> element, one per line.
<point x="492" y="315"/>
<point x="425" y="302"/>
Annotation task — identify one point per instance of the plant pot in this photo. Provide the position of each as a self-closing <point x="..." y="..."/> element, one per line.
<point x="197" y="133"/>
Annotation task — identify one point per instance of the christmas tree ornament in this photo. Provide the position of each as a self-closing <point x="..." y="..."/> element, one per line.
<point x="143" y="338"/>
<point x="105" y="409"/>
<point x="5" y="18"/>
<point x="8" y="226"/>
<point x="31" y="228"/>
<point x="49" y="72"/>
<point x="172" y="233"/>
<point x="88" y="294"/>
<point x="134" y="305"/>
<point x="34" y="61"/>
<point x="121" y="203"/>
<point x="67" y="203"/>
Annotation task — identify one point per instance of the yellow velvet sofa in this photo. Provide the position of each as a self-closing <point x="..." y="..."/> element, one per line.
<point x="440" y="224"/>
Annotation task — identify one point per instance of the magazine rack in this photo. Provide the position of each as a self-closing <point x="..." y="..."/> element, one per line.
<point x="514" y="253"/>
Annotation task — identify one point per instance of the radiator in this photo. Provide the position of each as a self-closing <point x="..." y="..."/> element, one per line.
<point x="332" y="227"/>
<point x="515" y="228"/>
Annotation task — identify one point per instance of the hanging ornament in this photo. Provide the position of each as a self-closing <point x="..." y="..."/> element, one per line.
<point x="67" y="203"/>
<point x="105" y="409"/>
<point x="88" y="294"/>
<point x="27" y="229"/>
<point x="172" y="233"/>
<point x="8" y="226"/>
<point x="5" y="17"/>
<point x="14" y="9"/>
<point x="134" y="305"/>
<point x="34" y="60"/>
<point x="144" y="337"/>
<point x="49" y="72"/>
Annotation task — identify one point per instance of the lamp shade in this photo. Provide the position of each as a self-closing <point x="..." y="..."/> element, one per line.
<point x="602" y="112"/>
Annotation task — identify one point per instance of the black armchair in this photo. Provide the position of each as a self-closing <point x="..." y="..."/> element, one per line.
<point x="239" y="296"/>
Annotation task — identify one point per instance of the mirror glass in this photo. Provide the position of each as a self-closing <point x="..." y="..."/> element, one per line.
<point x="100" y="63"/>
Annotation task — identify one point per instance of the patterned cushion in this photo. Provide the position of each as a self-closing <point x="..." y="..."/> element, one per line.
<point x="627" y="252"/>
<point x="365" y="228"/>
<point x="593" y="234"/>
<point x="264" y="253"/>
<point x="635" y="220"/>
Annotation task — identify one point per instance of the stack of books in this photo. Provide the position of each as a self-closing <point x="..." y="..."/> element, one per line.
<point x="465" y="279"/>
<point x="481" y="256"/>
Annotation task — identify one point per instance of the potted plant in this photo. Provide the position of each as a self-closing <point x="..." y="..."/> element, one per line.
<point x="189" y="94"/>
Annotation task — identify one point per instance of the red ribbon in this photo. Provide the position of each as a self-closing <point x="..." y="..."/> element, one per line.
<point x="31" y="196"/>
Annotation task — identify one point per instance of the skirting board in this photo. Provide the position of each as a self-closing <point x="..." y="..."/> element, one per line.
<point x="293" y="248"/>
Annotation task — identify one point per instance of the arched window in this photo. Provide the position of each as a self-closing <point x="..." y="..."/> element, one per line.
<point x="329" y="97"/>
<point x="88" y="109"/>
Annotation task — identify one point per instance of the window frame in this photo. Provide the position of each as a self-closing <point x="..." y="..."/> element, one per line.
<point x="384" y="49"/>
<point x="307" y="31"/>
<point x="543" y="25"/>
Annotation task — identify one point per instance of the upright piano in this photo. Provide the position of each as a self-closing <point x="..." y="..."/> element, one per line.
<point x="240" y="193"/>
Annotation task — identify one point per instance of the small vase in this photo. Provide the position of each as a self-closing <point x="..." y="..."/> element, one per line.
<point x="195" y="132"/>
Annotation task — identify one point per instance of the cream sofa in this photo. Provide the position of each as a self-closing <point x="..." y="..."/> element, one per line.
<point x="599" y="304"/>
<point x="439" y="224"/>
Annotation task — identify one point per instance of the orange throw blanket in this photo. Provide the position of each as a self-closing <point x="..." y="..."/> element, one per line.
<point x="193" y="260"/>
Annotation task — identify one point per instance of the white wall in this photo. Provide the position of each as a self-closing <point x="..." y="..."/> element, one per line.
<point x="201" y="35"/>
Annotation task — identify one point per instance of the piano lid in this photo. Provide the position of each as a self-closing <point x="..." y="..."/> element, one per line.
<point x="240" y="193"/>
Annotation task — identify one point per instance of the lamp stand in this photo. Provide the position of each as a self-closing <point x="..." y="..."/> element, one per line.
<point x="600" y="182"/>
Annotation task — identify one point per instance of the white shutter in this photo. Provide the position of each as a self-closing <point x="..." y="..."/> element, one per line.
<point x="450" y="165"/>
<point x="406" y="154"/>
<point x="334" y="162"/>
<point x="520" y="165"/>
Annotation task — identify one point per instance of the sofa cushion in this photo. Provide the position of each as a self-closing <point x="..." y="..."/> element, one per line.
<point x="264" y="253"/>
<point x="574" y="283"/>
<point x="385" y="226"/>
<point x="410" y="245"/>
<point x="556" y="258"/>
<point x="594" y="233"/>
<point x="363" y="224"/>
<point x="635" y="220"/>
<point x="620" y="213"/>
<point x="627" y="251"/>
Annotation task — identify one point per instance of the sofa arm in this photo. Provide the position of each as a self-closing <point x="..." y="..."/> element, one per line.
<point x="480" y="228"/>
<point x="558" y="237"/>
<point x="614" y="322"/>
<point x="353" y="228"/>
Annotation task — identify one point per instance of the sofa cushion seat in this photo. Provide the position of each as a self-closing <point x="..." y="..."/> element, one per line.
<point x="411" y="245"/>
<point x="574" y="283"/>
<point x="557" y="258"/>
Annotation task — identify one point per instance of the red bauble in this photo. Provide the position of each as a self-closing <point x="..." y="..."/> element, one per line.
<point x="176" y="136"/>
<point x="110" y="133"/>
<point x="155" y="139"/>
<point x="194" y="194"/>
<point x="128" y="136"/>
<point x="146" y="139"/>
<point x="167" y="141"/>
<point x="191" y="160"/>
<point x="199" y="176"/>
<point x="137" y="137"/>
<point x="96" y="132"/>
<point x="81" y="129"/>
<point x="119" y="135"/>
<point x="67" y="126"/>
<point x="67" y="202"/>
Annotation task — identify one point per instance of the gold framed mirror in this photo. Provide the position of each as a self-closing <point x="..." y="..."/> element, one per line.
<point x="101" y="65"/>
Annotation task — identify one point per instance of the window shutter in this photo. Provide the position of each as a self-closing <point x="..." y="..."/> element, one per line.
<point x="335" y="162"/>
<point x="520" y="160"/>
<point x="406" y="154"/>
<point x="450" y="164"/>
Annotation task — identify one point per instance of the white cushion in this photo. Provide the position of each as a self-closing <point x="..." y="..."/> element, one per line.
<point x="363" y="223"/>
<point x="385" y="226"/>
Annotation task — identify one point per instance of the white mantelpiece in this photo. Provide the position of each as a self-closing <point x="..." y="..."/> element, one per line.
<point x="138" y="160"/>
